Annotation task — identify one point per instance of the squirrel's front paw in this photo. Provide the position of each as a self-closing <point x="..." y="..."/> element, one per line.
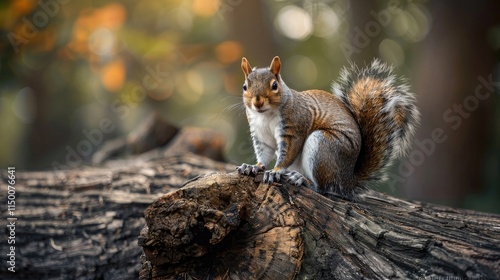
<point x="248" y="169"/>
<point x="296" y="178"/>
<point x="272" y="176"/>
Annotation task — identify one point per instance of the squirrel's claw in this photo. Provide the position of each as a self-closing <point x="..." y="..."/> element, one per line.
<point x="257" y="168"/>
<point x="296" y="178"/>
<point x="271" y="176"/>
<point x="249" y="169"/>
<point x="244" y="169"/>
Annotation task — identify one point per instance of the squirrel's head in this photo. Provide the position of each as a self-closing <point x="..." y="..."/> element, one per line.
<point x="262" y="90"/>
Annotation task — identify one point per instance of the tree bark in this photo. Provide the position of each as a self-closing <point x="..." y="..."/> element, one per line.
<point x="84" y="223"/>
<point x="228" y="226"/>
<point x="87" y="223"/>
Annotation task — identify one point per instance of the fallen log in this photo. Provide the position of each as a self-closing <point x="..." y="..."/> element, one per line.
<point x="228" y="226"/>
<point x="83" y="223"/>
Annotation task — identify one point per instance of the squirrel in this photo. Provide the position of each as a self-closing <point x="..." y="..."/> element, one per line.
<point x="334" y="143"/>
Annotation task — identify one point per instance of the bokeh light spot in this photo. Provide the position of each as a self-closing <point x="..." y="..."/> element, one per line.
<point x="205" y="7"/>
<point x="294" y="23"/>
<point x="24" y="105"/>
<point x="184" y="18"/>
<point x="391" y="52"/>
<point x="228" y="52"/>
<point x="419" y="23"/>
<point x="102" y="41"/>
<point x="23" y="7"/>
<point x="399" y="25"/>
<point x="326" y="23"/>
<point x="190" y="86"/>
<point x="113" y="75"/>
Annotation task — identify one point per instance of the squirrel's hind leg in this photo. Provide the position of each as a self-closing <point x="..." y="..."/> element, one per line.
<point x="329" y="163"/>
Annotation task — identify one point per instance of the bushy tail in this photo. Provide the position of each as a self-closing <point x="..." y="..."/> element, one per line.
<point x="385" y="111"/>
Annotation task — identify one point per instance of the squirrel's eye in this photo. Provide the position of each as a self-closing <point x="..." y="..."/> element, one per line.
<point x="244" y="87"/>
<point x="274" y="86"/>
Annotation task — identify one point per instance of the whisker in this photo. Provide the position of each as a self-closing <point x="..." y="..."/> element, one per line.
<point x="230" y="108"/>
<point x="240" y="107"/>
<point x="230" y="96"/>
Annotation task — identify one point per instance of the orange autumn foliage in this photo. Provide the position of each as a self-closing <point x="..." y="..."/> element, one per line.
<point x="113" y="75"/>
<point x="229" y="51"/>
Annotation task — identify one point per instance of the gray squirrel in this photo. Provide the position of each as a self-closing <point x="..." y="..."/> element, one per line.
<point x="333" y="143"/>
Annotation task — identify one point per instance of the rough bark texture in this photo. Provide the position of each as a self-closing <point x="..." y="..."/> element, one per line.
<point x="86" y="224"/>
<point x="231" y="227"/>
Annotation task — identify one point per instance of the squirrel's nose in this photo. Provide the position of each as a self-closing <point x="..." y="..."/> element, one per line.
<point x="258" y="102"/>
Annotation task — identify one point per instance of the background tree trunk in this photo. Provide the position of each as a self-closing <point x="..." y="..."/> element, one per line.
<point x="85" y="224"/>
<point x="447" y="79"/>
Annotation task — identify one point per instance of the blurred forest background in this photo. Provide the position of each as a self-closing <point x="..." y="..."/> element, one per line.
<point x="73" y="71"/>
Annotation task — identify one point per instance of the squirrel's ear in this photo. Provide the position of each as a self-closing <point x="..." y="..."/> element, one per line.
<point x="245" y="66"/>
<point x="275" y="66"/>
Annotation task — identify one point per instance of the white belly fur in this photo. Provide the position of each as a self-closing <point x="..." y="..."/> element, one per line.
<point x="266" y="127"/>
